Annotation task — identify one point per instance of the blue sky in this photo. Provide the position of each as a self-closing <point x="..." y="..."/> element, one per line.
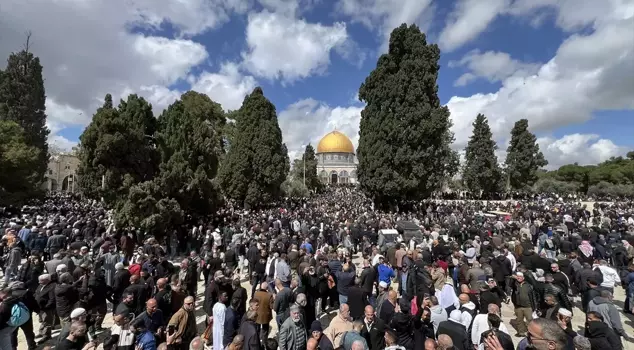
<point x="565" y="65"/>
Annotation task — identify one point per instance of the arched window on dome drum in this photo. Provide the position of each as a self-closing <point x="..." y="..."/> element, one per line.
<point x="323" y="176"/>
<point x="343" y="177"/>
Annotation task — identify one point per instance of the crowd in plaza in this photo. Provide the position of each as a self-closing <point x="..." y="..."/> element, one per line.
<point x="322" y="276"/>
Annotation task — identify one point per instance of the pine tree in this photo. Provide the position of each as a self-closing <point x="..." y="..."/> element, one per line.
<point x="481" y="173"/>
<point x="523" y="158"/>
<point x="404" y="147"/>
<point x="117" y="149"/>
<point x="257" y="162"/>
<point x="306" y="168"/>
<point x="23" y="101"/>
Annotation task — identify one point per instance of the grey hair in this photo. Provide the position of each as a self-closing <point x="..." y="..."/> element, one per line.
<point x="294" y="308"/>
<point x="358" y="345"/>
<point x="581" y="343"/>
<point x="552" y="332"/>
<point x="301" y="299"/>
<point x="606" y="294"/>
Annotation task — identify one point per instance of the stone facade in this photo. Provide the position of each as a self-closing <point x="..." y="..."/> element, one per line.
<point x="337" y="168"/>
<point x="61" y="173"/>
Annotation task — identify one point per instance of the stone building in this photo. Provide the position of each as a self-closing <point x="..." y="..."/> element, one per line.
<point x="336" y="160"/>
<point x="61" y="173"/>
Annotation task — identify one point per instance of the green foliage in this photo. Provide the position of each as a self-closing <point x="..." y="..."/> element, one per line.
<point x="307" y="168"/>
<point x="17" y="178"/>
<point x="482" y="173"/>
<point x="190" y="142"/>
<point x="23" y="101"/>
<point x="551" y="185"/>
<point x="294" y="188"/>
<point x="117" y="146"/>
<point x="614" y="177"/>
<point x="404" y="147"/>
<point x="257" y="162"/>
<point x="523" y="159"/>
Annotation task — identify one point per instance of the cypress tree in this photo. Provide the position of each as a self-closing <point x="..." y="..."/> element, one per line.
<point x="117" y="148"/>
<point x="307" y="165"/>
<point x="23" y="101"/>
<point x="523" y="158"/>
<point x="16" y="179"/>
<point x="481" y="173"/>
<point x="257" y="162"/>
<point x="404" y="147"/>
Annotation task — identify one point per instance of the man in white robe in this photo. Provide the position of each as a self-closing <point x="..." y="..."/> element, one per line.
<point x="218" y="313"/>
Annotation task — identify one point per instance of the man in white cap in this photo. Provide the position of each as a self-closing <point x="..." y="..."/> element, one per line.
<point x="77" y="315"/>
<point x="524" y="300"/>
<point x="380" y="298"/>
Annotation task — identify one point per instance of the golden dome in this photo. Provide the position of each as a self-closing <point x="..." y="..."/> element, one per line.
<point x="335" y="142"/>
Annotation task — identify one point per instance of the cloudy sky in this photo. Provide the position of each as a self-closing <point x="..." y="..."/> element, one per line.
<point x="565" y="65"/>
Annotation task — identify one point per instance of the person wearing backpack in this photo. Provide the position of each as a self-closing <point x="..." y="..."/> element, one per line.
<point x="13" y="314"/>
<point x="468" y="311"/>
<point x="26" y="297"/>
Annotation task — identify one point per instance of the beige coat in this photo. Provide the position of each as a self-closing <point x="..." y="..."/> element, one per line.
<point x="335" y="330"/>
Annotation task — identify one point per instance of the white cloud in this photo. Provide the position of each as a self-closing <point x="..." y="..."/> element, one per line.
<point x="83" y="60"/>
<point x="188" y="17"/>
<point x="384" y="16"/>
<point x="588" y="73"/>
<point x="227" y="87"/>
<point x="307" y="121"/>
<point x="491" y="65"/>
<point x="468" y="20"/>
<point x="170" y="59"/>
<point x="288" y="7"/>
<point x="60" y="143"/>
<point x="472" y="17"/>
<point x="584" y="149"/>
<point x="283" y="47"/>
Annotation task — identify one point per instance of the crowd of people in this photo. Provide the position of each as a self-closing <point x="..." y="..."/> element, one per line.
<point x="321" y="277"/>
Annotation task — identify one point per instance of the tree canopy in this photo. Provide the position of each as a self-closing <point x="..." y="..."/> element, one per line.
<point x="481" y="172"/>
<point x="23" y="113"/>
<point x="614" y="178"/>
<point x="190" y="142"/>
<point x="523" y="157"/>
<point x="257" y="161"/>
<point x="404" y="147"/>
<point x="117" y="149"/>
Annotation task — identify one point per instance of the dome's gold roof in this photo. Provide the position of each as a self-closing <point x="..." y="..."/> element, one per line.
<point x="335" y="142"/>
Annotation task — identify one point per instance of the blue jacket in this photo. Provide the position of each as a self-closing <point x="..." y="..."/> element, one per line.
<point x="146" y="341"/>
<point x="385" y="273"/>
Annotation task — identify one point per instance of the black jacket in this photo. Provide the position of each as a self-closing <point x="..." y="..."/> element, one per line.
<point x="375" y="337"/>
<point x="249" y="331"/>
<point x="66" y="296"/>
<point x="45" y="296"/>
<point x="602" y="337"/>
<point x="368" y="277"/>
<point x="140" y="292"/>
<point x="501" y="268"/>
<point x="357" y="301"/>
<point x="457" y="333"/>
<point x="558" y="293"/>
